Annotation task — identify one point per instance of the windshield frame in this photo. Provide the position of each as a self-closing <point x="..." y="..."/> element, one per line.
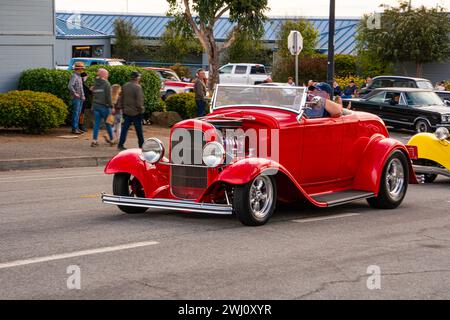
<point x="298" y="112"/>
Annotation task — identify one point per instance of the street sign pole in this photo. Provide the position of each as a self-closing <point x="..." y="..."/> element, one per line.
<point x="331" y="30"/>
<point x="295" y="46"/>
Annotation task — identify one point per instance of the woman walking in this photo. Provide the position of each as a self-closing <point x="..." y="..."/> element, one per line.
<point x="101" y="104"/>
<point x="117" y="112"/>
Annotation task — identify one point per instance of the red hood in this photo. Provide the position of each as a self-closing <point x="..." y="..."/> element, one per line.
<point x="178" y="84"/>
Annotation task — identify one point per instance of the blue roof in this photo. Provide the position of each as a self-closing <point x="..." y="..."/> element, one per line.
<point x="153" y="26"/>
<point x="72" y="29"/>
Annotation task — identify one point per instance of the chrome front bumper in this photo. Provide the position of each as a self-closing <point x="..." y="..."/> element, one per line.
<point x="431" y="170"/>
<point x="168" y="204"/>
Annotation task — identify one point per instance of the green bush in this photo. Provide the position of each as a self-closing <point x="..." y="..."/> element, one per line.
<point x="47" y="80"/>
<point x="344" y="65"/>
<point x="183" y="103"/>
<point x="56" y="82"/>
<point x="150" y="83"/>
<point x="35" y="112"/>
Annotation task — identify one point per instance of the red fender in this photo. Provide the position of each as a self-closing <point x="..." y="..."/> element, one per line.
<point x="154" y="178"/>
<point x="369" y="173"/>
<point x="245" y="170"/>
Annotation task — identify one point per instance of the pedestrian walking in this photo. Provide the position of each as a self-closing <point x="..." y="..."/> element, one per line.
<point x="440" y="86"/>
<point x="101" y="104"/>
<point x="77" y="95"/>
<point x="87" y="93"/>
<point x="116" y="90"/>
<point x="200" y="92"/>
<point x="131" y="101"/>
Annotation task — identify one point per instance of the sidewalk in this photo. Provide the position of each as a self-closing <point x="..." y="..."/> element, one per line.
<point x="61" y="149"/>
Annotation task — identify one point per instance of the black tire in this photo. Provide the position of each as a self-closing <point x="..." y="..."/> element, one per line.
<point x="422" y="126"/>
<point x="388" y="199"/>
<point x="430" y="177"/>
<point x="122" y="187"/>
<point x="168" y="94"/>
<point x="242" y="201"/>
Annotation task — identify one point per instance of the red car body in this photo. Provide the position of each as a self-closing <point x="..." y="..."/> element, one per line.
<point x="326" y="161"/>
<point x="172" y="84"/>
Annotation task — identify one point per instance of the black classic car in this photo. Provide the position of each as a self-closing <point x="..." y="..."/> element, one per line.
<point x="421" y="110"/>
<point x="395" y="82"/>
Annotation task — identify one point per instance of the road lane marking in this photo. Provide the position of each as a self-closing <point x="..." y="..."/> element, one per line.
<point x="51" y="178"/>
<point x="336" y="216"/>
<point x="91" y="196"/>
<point x="18" y="263"/>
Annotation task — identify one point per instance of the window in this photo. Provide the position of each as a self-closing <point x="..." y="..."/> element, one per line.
<point x="378" y="98"/>
<point x="393" y="98"/>
<point x="426" y="98"/>
<point x="258" y="70"/>
<point x="226" y="69"/>
<point x="424" y="85"/>
<point x="404" y="84"/>
<point x="240" y="70"/>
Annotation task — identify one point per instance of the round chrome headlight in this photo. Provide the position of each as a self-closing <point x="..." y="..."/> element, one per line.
<point x="152" y="150"/>
<point x="213" y="154"/>
<point x="441" y="133"/>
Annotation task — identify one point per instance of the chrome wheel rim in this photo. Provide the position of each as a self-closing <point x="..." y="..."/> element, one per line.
<point x="421" y="127"/>
<point x="395" y="179"/>
<point x="261" y="196"/>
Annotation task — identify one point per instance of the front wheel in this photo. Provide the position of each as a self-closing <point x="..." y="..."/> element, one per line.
<point x="254" y="202"/>
<point x="393" y="184"/>
<point x="126" y="185"/>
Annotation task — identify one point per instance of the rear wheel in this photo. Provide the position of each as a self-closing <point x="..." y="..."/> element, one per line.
<point x="126" y="185"/>
<point x="254" y="202"/>
<point x="393" y="184"/>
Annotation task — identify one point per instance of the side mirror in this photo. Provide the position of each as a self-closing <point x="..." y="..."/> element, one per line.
<point x="447" y="102"/>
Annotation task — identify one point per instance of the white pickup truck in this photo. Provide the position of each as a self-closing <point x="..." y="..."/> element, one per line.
<point x="242" y="73"/>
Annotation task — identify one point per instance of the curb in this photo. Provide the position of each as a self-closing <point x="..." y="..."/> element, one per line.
<point x="52" y="163"/>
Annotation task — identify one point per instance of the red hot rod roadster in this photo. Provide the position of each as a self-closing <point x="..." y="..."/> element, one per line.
<point x="257" y="147"/>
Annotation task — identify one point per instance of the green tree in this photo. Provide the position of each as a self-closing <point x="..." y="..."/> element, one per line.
<point x="284" y="62"/>
<point x="202" y="15"/>
<point x="127" y="41"/>
<point x="247" y="49"/>
<point x="178" y="40"/>
<point x="418" y="35"/>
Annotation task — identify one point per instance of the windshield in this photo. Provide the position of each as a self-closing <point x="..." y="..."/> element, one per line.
<point x="423" y="98"/>
<point x="290" y="98"/>
<point x="424" y="85"/>
<point x="168" y="75"/>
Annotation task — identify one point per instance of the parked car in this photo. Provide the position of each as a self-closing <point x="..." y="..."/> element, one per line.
<point x="171" y="82"/>
<point x="417" y="109"/>
<point x="249" y="153"/>
<point x="396" y="82"/>
<point x="444" y="95"/>
<point x="430" y="154"/>
<point x="96" y="61"/>
<point x="242" y="73"/>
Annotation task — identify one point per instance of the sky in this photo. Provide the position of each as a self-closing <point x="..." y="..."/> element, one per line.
<point x="282" y="8"/>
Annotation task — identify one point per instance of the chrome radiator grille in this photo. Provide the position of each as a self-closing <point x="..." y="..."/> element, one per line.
<point x="187" y="181"/>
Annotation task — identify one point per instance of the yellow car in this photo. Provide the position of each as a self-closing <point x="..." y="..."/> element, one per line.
<point x="430" y="154"/>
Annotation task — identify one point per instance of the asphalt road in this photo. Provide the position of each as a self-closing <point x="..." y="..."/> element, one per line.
<point x="53" y="219"/>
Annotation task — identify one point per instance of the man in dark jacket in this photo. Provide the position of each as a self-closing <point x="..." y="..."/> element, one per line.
<point x="101" y="104"/>
<point x="200" y="92"/>
<point x="132" y="102"/>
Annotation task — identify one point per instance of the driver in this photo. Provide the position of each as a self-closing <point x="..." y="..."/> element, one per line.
<point x="320" y="105"/>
